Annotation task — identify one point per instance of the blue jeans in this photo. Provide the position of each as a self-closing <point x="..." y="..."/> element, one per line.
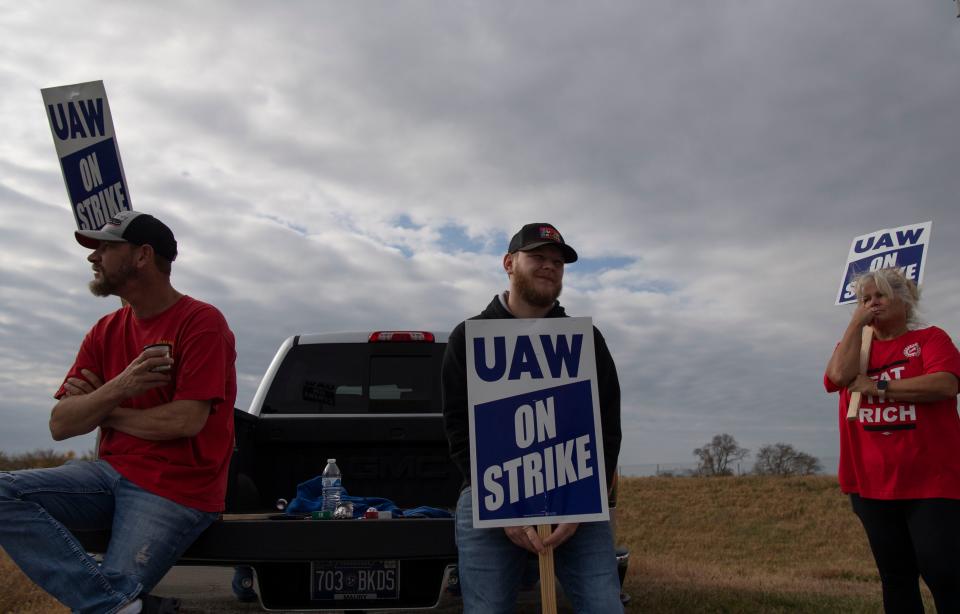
<point x="491" y="567"/>
<point x="39" y="508"/>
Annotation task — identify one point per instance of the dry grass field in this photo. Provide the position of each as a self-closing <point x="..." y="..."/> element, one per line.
<point x="746" y="544"/>
<point x="18" y="594"/>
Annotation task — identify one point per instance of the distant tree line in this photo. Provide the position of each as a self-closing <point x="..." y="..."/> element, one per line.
<point x="783" y="459"/>
<point x="38" y="459"/>
<point x="719" y="456"/>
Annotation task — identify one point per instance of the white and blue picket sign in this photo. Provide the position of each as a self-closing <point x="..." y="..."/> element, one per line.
<point x="83" y="134"/>
<point x="535" y="439"/>
<point x="904" y="248"/>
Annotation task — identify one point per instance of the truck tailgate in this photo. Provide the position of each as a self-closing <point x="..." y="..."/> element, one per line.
<point x="247" y="538"/>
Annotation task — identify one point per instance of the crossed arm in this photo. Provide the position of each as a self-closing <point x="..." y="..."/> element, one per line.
<point x="89" y="403"/>
<point x="920" y="389"/>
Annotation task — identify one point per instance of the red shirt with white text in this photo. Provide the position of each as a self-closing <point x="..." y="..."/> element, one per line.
<point x="903" y="449"/>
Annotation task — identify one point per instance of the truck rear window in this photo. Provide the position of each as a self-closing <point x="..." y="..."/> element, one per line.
<point x="354" y="378"/>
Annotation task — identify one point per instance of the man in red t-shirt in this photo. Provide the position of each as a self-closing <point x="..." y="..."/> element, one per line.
<point x="157" y="377"/>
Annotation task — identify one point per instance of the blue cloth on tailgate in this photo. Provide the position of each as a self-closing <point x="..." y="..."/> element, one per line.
<point x="310" y="499"/>
<point x="425" y="512"/>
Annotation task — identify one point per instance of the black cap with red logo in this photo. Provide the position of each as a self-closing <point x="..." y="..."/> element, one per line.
<point x="532" y="236"/>
<point x="133" y="227"/>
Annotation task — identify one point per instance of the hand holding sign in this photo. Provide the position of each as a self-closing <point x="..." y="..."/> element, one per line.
<point x="525" y="537"/>
<point x="542" y="538"/>
<point x="561" y="533"/>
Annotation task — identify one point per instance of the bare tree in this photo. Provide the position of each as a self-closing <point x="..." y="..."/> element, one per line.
<point x="783" y="459"/>
<point x="716" y="456"/>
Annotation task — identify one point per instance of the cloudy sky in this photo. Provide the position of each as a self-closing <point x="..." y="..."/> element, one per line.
<point x="361" y="165"/>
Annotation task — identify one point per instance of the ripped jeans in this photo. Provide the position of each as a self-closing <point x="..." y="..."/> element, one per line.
<point x="39" y="508"/>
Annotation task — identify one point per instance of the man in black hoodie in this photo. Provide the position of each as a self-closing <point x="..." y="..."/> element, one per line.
<point x="492" y="560"/>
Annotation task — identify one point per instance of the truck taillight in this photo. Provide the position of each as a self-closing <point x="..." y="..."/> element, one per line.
<point x="401" y="336"/>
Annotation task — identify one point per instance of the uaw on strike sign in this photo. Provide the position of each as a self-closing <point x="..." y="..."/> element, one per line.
<point x="86" y="145"/>
<point x="904" y="248"/>
<point x="535" y="439"/>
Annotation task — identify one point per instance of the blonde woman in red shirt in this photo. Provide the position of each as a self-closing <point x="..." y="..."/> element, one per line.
<point x="899" y="458"/>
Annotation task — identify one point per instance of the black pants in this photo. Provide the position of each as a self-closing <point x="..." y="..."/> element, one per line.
<point x="912" y="538"/>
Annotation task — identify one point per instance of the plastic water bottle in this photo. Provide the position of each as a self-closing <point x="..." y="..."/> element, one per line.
<point x="331" y="486"/>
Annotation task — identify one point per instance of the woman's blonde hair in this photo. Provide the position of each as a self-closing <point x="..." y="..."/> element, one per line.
<point x="894" y="284"/>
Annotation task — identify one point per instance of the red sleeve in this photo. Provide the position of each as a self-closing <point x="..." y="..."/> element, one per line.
<point x="206" y="352"/>
<point x="827" y="382"/>
<point x="939" y="354"/>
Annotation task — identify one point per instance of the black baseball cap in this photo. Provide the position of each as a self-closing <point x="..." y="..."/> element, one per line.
<point x="532" y="236"/>
<point x="133" y="227"/>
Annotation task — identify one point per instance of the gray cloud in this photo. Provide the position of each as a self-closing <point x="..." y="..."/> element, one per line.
<point x="331" y="166"/>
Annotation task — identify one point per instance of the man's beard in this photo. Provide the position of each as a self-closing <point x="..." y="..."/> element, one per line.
<point x="525" y="286"/>
<point x="111" y="283"/>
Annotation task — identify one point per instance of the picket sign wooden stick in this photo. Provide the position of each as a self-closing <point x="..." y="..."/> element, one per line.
<point x="548" y="589"/>
<point x="866" y="338"/>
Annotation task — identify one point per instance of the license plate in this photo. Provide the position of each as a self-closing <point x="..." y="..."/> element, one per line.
<point x="349" y="580"/>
